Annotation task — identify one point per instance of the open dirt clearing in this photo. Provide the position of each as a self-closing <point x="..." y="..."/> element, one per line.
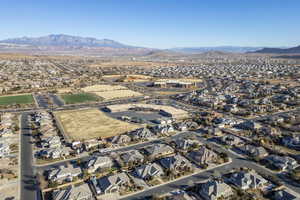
<point x="103" y="88"/>
<point x="128" y="78"/>
<point x="108" y="92"/>
<point x="91" y="123"/>
<point x="117" y="94"/>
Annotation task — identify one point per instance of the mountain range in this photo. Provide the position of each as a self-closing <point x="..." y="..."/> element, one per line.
<point x="65" y="40"/>
<point x="293" y="50"/>
<point x="231" y="49"/>
<point x="61" y="44"/>
<point x="75" y="45"/>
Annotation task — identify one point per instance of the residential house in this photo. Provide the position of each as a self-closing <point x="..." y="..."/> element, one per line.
<point x="254" y="151"/>
<point x="142" y="133"/>
<point x="163" y="129"/>
<point x="231" y="140"/>
<point x="98" y="163"/>
<point x="214" y="131"/>
<point x="120" y="139"/>
<point x="247" y="180"/>
<point x="64" y="173"/>
<point x="284" y="195"/>
<point x="149" y="171"/>
<point x="163" y="121"/>
<point x="267" y="131"/>
<point x="214" y="189"/>
<point x="186" y="144"/>
<point x="292" y="142"/>
<point x="55" y="153"/>
<point x="186" y="125"/>
<point x="114" y="183"/>
<point x="182" y="195"/>
<point x="74" y="192"/>
<point x="282" y="162"/>
<point x="51" y="142"/>
<point x="90" y="144"/>
<point x="248" y="125"/>
<point x="132" y="156"/>
<point x="158" y="150"/>
<point x="176" y="163"/>
<point x="203" y="156"/>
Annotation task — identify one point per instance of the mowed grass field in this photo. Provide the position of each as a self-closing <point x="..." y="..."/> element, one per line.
<point x="17" y="99"/>
<point x="79" y="98"/>
<point x="91" y="123"/>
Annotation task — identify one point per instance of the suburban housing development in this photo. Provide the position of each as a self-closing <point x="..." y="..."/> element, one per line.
<point x="79" y="129"/>
<point x="150" y="100"/>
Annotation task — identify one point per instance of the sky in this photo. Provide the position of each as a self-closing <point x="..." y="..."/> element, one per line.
<point x="158" y="23"/>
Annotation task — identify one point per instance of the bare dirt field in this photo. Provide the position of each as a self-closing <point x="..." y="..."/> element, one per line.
<point x="117" y="94"/>
<point x="91" y="123"/>
<point x="102" y="88"/>
<point x="10" y="190"/>
<point x="128" y="78"/>
<point x="64" y="90"/>
<point x="108" y="92"/>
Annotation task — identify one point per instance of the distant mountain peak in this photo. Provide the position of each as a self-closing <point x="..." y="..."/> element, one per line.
<point x="65" y="41"/>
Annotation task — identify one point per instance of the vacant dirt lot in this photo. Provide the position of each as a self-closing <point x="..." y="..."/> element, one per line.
<point x="117" y="94"/>
<point x="127" y="78"/>
<point x="10" y="190"/>
<point x="108" y="92"/>
<point x="91" y="123"/>
<point x="102" y="88"/>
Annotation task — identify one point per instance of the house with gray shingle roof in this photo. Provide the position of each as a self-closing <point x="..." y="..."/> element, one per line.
<point x="142" y="133"/>
<point x="133" y="156"/>
<point x="114" y="183"/>
<point x="98" y="163"/>
<point x="176" y="163"/>
<point x="64" y="173"/>
<point x="254" y="151"/>
<point x="284" y="195"/>
<point x="157" y="150"/>
<point x="149" y="171"/>
<point x="214" y="189"/>
<point x="282" y="162"/>
<point x="246" y="180"/>
<point x="185" y="144"/>
<point x="78" y="192"/>
<point x="203" y="156"/>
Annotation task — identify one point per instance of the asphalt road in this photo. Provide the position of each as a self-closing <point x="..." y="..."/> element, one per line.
<point x="28" y="187"/>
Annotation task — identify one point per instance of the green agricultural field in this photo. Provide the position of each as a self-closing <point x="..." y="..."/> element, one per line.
<point x="18" y="99"/>
<point x="79" y="98"/>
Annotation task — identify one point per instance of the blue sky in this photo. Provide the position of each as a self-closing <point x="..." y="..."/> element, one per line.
<point x="158" y="23"/>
